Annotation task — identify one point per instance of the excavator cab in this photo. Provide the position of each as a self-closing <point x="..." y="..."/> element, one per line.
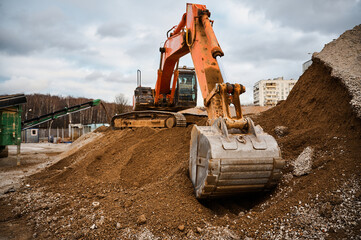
<point x="186" y="92"/>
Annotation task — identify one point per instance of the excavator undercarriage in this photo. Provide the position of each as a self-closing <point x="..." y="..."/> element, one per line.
<point x="228" y="156"/>
<point x="157" y="119"/>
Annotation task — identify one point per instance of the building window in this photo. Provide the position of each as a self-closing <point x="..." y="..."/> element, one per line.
<point x="34" y="132"/>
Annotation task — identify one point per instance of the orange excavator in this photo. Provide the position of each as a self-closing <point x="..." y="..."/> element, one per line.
<point x="228" y="156"/>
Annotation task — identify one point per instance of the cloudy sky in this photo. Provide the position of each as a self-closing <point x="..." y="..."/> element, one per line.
<point x="92" y="48"/>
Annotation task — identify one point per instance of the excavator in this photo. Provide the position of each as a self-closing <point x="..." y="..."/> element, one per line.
<point x="228" y="156"/>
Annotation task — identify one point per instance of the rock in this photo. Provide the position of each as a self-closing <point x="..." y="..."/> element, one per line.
<point x="303" y="164"/>
<point x="287" y="177"/>
<point x="281" y="131"/>
<point x="181" y="227"/>
<point x="118" y="226"/>
<point x="10" y="190"/>
<point x="96" y="204"/>
<point x="198" y="230"/>
<point x="241" y="214"/>
<point x="92" y="227"/>
<point x="141" y="219"/>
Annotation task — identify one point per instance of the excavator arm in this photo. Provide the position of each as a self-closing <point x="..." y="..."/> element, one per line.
<point x="194" y="34"/>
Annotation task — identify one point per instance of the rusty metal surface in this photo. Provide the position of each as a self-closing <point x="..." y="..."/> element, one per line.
<point x="252" y="163"/>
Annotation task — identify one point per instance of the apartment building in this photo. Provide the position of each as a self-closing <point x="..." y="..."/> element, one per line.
<point x="269" y="92"/>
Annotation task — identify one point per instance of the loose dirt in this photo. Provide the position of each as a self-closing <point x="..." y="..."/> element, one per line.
<point x="134" y="184"/>
<point x="33" y="158"/>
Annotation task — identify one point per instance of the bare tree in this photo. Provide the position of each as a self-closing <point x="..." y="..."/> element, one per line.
<point x="121" y="104"/>
<point x="40" y="104"/>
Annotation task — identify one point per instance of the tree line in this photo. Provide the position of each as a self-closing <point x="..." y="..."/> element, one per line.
<point x="41" y="104"/>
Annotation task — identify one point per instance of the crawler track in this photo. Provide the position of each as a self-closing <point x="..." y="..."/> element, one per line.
<point x="148" y="119"/>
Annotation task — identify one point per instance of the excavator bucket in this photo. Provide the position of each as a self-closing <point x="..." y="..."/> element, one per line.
<point x="223" y="164"/>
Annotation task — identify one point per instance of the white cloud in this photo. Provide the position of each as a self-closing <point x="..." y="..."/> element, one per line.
<point x="329" y="17"/>
<point x="116" y="30"/>
<point x="92" y="49"/>
<point x="19" y="84"/>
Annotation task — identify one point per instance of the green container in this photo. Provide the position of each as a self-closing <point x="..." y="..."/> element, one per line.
<point x="10" y="126"/>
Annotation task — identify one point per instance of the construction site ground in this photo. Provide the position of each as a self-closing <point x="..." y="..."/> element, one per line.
<point x="134" y="183"/>
<point x="33" y="157"/>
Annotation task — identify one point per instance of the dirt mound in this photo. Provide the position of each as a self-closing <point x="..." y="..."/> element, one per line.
<point x="317" y="112"/>
<point x="321" y="115"/>
<point x="126" y="174"/>
<point x="131" y="157"/>
<point x="322" y="108"/>
<point x="101" y="129"/>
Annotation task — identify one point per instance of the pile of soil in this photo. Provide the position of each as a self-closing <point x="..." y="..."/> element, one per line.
<point x="322" y="112"/>
<point x="101" y="129"/>
<point x="321" y="109"/>
<point x="134" y="184"/>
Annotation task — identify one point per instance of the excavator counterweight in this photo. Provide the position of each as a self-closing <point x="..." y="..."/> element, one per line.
<point x="228" y="156"/>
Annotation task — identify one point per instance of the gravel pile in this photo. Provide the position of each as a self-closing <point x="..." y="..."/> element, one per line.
<point x="343" y="56"/>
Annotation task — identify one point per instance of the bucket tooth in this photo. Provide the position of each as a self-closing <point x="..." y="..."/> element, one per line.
<point x="221" y="165"/>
